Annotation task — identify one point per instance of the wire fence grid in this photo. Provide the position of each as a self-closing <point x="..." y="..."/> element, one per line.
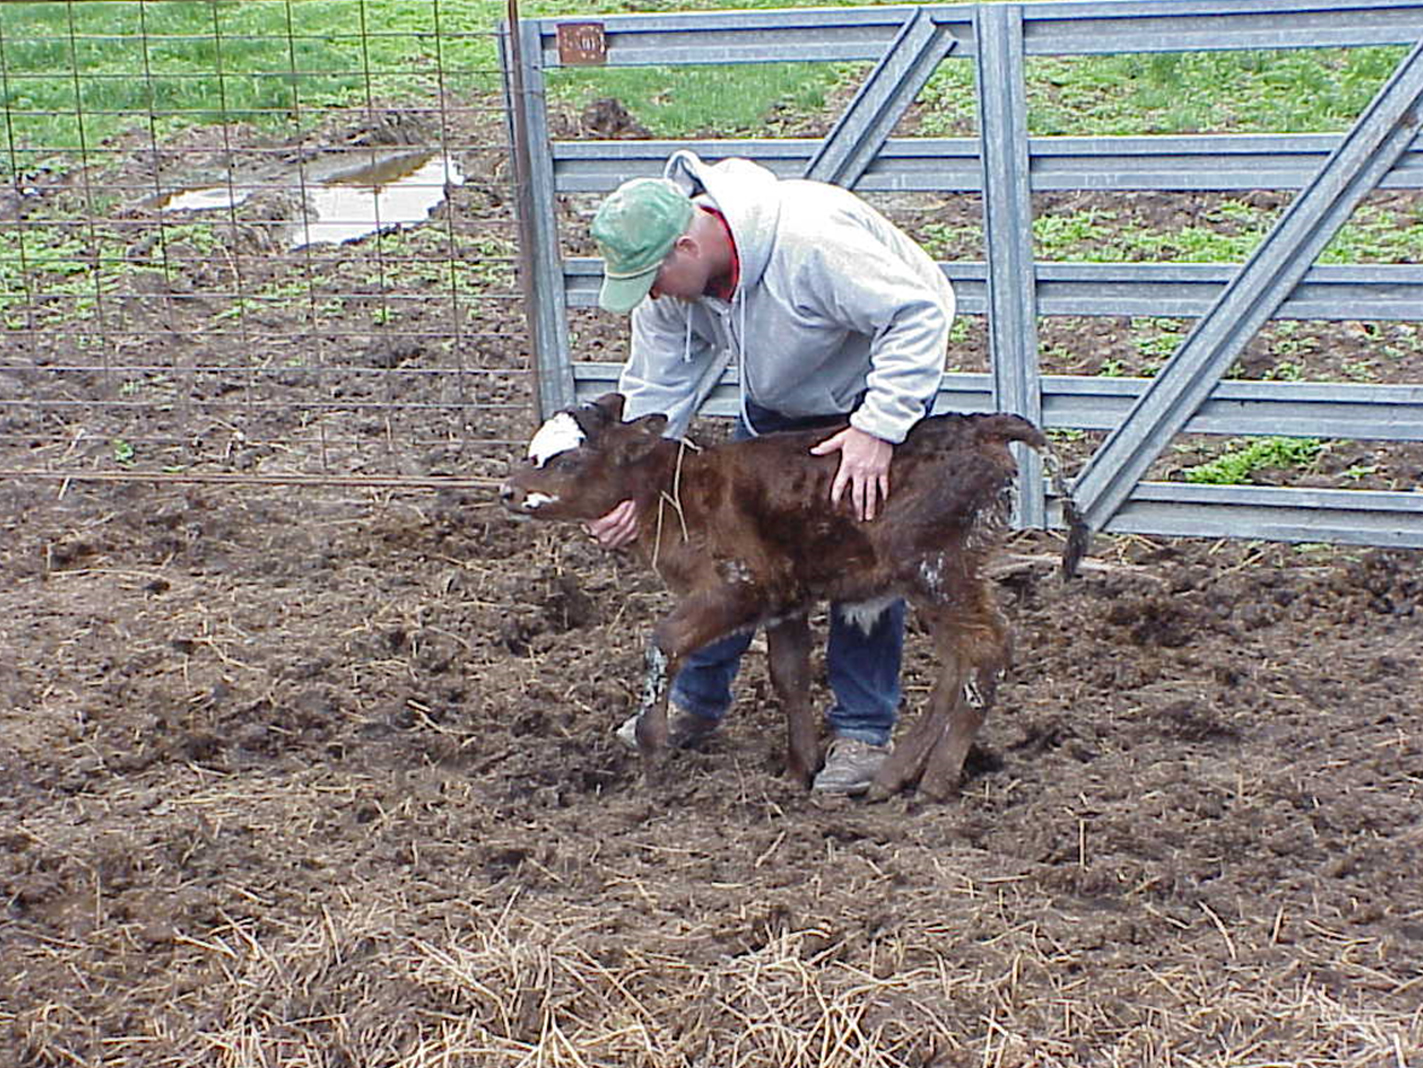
<point x="234" y="243"/>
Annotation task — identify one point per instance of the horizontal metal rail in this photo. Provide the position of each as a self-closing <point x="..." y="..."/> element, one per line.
<point x="1289" y="409"/>
<point x="951" y="165"/>
<point x="1079" y="402"/>
<point x="248" y="370"/>
<point x="90" y="445"/>
<point x="285" y="405"/>
<point x="1273" y="513"/>
<point x="209" y="479"/>
<point x="1083" y="28"/>
<point x="1370" y="291"/>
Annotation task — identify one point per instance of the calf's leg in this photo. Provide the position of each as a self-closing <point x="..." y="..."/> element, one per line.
<point x="652" y="709"/>
<point x="788" y="653"/>
<point x="983" y="646"/>
<point x="944" y="766"/>
<point x="697" y="621"/>
<point x="906" y="764"/>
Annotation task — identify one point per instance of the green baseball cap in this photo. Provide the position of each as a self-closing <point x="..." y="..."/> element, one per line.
<point x="635" y="227"/>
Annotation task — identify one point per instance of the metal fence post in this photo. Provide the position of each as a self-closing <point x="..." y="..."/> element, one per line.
<point x="1008" y="236"/>
<point x="540" y="261"/>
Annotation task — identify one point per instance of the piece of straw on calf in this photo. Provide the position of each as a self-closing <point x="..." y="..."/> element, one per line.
<point x="744" y="535"/>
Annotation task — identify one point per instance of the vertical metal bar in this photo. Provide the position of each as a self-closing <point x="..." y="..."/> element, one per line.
<point x="1008" y="236"/>
<point x="241" y="303"/>
<point x="886" y="93"/>
<point x="457" y="312"/>
<point x="25" y="278"/>
<point x="540" y="263"/>
<point x="100" y="334"/>
<point x="383" y="310"/>
<point x="1382" y="133"/>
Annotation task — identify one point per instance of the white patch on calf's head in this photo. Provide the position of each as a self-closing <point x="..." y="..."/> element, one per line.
<point x="535" y="501"/>
<point x="559" y="434"/>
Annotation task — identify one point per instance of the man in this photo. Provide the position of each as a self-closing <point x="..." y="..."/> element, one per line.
<point x="831" y="310"/>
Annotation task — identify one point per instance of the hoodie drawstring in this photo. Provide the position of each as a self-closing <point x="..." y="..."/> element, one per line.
<point x="740" y="301"/>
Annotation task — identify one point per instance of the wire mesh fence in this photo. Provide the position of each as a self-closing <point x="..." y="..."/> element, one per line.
<point x="259" y="240"/>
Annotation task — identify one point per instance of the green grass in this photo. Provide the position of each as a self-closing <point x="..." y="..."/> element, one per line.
<point x="75" y="74"/>
<point x="672" y="101"/>
<point x="1227" y="234"/>
<point x="1244" y="457"/>
<point x="52" y="273"/>
<point x="1295" y="90"/>
<point x="1105" y="236"/>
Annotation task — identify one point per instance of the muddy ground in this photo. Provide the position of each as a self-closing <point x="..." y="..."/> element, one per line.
<point x="296" y="775"/>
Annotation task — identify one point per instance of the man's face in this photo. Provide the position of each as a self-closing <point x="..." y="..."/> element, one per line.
<point x="683" y="273"/>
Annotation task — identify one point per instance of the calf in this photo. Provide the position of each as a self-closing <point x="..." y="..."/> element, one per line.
<point x="744" y="534"/>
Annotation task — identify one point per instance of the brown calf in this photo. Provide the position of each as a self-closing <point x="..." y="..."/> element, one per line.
<point x="744" y="534"/>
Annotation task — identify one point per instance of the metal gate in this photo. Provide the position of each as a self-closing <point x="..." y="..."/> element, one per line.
<point x="1006" y="166"/>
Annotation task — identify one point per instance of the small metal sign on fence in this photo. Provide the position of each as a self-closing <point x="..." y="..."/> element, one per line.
<point x="582" y="44"/>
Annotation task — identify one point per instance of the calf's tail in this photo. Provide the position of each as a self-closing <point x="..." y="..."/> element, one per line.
<point x="1009" y="427"/>
<point x="1079" y="535"/>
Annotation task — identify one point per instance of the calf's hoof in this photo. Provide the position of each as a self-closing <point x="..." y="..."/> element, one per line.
<point x="654" y="766"/>
<point x="890" y="779"/>
<point x="939" y="787"/>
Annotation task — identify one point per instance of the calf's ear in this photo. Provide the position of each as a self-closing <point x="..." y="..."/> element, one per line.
<point x="595" y="415"/>
<point x="651" y="425"/>
<point x="611" y="405"/>
<point x="647" y="432"/>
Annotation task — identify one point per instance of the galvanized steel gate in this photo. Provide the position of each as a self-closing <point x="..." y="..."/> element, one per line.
<point x="1006" y="166"/>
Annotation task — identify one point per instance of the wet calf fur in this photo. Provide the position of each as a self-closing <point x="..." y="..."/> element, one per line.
<point x="744" y="535"/>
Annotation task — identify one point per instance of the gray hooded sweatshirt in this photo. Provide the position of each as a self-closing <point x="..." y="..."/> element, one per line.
<point x="834" y="301"/>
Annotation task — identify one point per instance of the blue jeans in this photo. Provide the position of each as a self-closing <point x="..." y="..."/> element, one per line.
<point x="863" y="668"/>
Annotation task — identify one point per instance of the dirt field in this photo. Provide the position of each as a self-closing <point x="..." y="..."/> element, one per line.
<point x="325" y="776"/>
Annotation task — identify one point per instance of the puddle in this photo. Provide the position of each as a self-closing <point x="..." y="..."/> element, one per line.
<point x="206" y="199"/>
<point x="342" y="203"/>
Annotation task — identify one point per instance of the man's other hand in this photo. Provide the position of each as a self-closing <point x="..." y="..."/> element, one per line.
<point x="864" y="469"/>
<point x="617" y="528"/>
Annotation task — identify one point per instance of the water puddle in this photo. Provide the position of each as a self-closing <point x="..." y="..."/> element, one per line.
<point x="342" y="203"/>
<point x="207" y="198"/>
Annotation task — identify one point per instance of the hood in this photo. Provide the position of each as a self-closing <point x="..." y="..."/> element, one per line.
<point x="746" y="195"/>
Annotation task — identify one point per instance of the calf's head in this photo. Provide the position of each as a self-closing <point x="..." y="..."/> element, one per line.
<point x="583" y="462"/>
